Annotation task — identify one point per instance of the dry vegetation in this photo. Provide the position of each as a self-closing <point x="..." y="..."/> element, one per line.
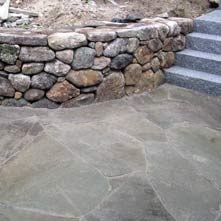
<point x="74" y="12"/>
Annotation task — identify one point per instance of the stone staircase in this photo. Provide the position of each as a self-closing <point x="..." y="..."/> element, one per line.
<point x="198" y="67"/>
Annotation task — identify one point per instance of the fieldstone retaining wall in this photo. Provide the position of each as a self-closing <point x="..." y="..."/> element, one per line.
<point x="72" y="68"/>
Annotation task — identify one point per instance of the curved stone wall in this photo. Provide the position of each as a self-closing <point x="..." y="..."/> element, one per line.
<point x="89" y="64"/>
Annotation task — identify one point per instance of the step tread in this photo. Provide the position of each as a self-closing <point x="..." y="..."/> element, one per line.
<point x="200" y="54"/>
<point x="194" y="74"/>
<point x="205" y="36"/>
<point x="214" y="16"/>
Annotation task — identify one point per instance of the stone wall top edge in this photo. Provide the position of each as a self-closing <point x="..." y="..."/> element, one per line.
<point x="40" y="38"/>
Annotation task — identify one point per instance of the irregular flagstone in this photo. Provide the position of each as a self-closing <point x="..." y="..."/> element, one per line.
<point x="52" y="190"/>
<point x="176" y="176"/>
<point x="116" y="157"/>
<point x="15" y="214"/>
<point x="23" y="131"/>
<point x="137" y="200"/>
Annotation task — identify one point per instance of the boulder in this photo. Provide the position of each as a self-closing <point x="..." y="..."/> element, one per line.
<point x="132" y="45"/>
<point x="167" y="59"/>
<point x="132" y="74"/>
<point x="121" y="61"/>
<point x="85" y="78"/>
<point x="155" y="45"/>
<point x="179" y="43"/>
<point x="12" y="69"/>
<point x="61" y="41"/>
<point x="111" y="88"/>
<point x="101" y="63"/>
<point x="159" y="78"/>
<point x="155" y="64"/>
<point x="45" y="103"/>
<point x="20" y="82"/>
<point x="34" y="95"/>
<point x="143" y="55"/>
<point x="15" y="103"/>
<point x="36" y="54"/>
<point x="116" y="47"/>
<point x="32" y="68"/>
<point x="57" y="68"/>
<point x="83" y="99"/>
<point x="43" y="81"/>
<point x="65" y="56"/>
<point x="62" y="92"/>
<point x="9" y="53"/>
<point x="146" y="82"/>
<point x="83" y="58"/>
<point x="6" y="88"/>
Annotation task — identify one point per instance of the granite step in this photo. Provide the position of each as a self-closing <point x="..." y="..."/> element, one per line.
<point x="204" y="42"/>
<point x="199" y="61"/>
<point x="209" y="23"/>
<point x="195" y="80"/>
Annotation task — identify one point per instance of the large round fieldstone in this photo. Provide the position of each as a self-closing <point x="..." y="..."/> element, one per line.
<point x="62" y="92"/>
<point x="20" y="82"/>
<point x="6" y="88"/>
<point x="65" y="56"/>
<point x="85" y="78"/>
<point x="57" y="68"/>
<point x="115" y="47"/>
<point x="43" y="81"/>
<point x="34" y="95"/>
<point x="101" y="63"/>
<point x="143" y="55"/>
<point x="36" y="54"/>
<point x="9" y="53"/>
<point x="83" y="58"/>
<point x="32" y="68"/>
<point x="112" y="87"/>
<point x="132" y="74"/>
<point x="60" y="41"/>
<point x="121" y="61"/>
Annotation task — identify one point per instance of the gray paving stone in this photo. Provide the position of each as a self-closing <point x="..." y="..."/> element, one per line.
<point x="146" y="157"/>
<point x="137" y="200"/>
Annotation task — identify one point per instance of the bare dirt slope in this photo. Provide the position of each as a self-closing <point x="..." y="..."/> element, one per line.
<point x="74" y="12"/>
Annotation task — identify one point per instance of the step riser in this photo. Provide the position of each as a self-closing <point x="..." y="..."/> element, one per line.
<point x="205" y="45"/>
<point x="198" y="64"/>
<point x="213" y="89"/>
<point x="207" y="27"/>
